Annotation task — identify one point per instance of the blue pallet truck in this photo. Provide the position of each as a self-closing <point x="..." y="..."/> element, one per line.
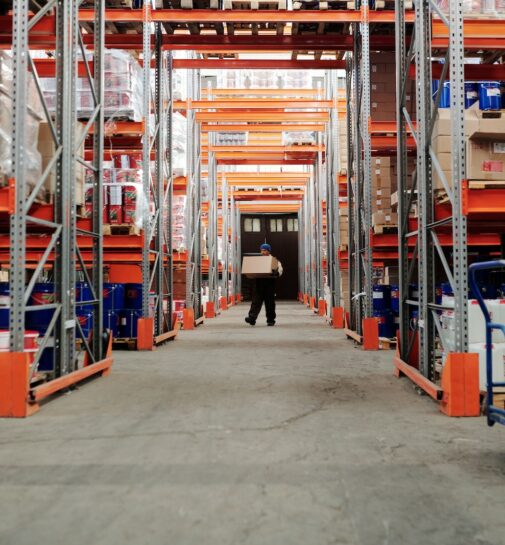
<point x="494" y="414"/>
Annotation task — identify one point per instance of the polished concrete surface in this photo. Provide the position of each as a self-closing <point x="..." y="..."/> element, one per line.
<point x="237" y="435"/>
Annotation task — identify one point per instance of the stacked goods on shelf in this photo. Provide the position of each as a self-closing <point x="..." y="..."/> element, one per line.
<point x="476" y="8"/>
<point x="343" y="213"/>
<point x="298" y="138"/>
<point x="124" y="202"/>
<point x="179" y="223"/>
<point x="382" y="188"/>
<point x="383" y="88"/>
<point x="264" y="79"/>
<point x="231" y="138"/>
<point x="476" y="334"/>
<point x="485" y="145"/>
<point x="47" y="149"/>
<point x="179" y="144"/>
<point x="122" y="93"/>
<point x="32" y="156"/>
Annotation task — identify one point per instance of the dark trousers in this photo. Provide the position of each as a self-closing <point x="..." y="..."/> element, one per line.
<point x="263" y="290"/>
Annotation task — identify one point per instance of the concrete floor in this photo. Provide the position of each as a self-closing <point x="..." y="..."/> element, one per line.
<point x="237" y="435"/>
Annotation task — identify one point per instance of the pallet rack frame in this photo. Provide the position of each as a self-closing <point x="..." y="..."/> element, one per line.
<point x="194" y="202"/>
<point x="332" y="192"/>
<point x="359" y="174"/>
<point x="428" y="252"/>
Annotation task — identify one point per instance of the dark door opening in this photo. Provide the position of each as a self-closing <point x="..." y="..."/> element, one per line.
<point x="281" y="232"/>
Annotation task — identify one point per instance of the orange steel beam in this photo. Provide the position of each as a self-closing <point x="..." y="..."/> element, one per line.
<point x="263" y="92"/>
<point x="268" y="207"/>
<point x="251" y="103"/>
<point x="255" y="64"/>
<point x="242" y="16"/>
<point x="266" y="117"/>
<point x="260" y="161"/>
<point x="239" y="150"/>
<point x="265" y="183"/>
<point x="378" y="127"/>
<point x="256" y="127"/>
<point x="269" y="175"/>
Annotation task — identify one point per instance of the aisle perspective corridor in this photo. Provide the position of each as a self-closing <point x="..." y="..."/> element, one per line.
<point x="239" y="435"/>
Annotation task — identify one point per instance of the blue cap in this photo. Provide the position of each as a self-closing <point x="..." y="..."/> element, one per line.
<point x="266" y="247"/>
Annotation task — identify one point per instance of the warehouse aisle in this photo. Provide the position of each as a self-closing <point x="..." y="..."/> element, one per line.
<point x="237" y="435"/>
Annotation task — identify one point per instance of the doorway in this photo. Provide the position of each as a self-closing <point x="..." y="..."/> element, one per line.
<point x="281" y="232"/>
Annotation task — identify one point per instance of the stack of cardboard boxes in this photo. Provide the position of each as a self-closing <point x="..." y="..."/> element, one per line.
<point x="485" y="145"/>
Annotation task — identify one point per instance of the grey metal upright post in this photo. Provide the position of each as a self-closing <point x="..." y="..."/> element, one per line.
<point x="318" y="199"/>
<point x="332" y="192"/>
<point x="146" y="160"/>
<point x="226" y="258"/>
<point x="194" y="210"/>
<point x="239" y="251"/>
<point x="405" y="193"/>
<point x="212" y="223"/>
<point x="351" y="183"/>
<point x="64" y="208"/>
<point x="233" y="247"/>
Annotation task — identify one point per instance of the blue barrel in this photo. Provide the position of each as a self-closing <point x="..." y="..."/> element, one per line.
<point x="386" y="321"/>
<point x="381" y="297"/>
<point x="395" y="298"/>
<point x="471" y="94"/>
<point x="435" y="84"/>
<point x="438" y="294"/>
<point x="86" y="320"/>
<point x="414" y="317"/>
<point x="413" y="292"/>
<point x="83" y="293"/>
<point x="111" y="321"/>
<point x="133" y="296"/>
<point x="4" y="305"/>
<point x="447" y="289"/>
<point x="128" y="327"/>
<point x="445" y="97"/>
<point x="113" y="296"/>
<point x="42" y="294"/>
<point x="489" y="95"/>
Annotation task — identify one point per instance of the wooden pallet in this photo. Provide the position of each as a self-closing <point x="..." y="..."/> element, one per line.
<point x="254" y="4"/>
<point x="323" y="4"/>
<point x="486" y="184"/>
<point x="386" y="229"/>
<point x="124" y="229"/>
<point x="123" y="342"/>
<point x="387" y="344"/>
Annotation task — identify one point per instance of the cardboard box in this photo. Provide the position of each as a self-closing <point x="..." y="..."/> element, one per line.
<point x="259" y="266"/>
<point x="485" y="160"/>
<point x="384" y="218"/>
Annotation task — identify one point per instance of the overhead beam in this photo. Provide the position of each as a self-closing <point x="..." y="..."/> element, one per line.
<point x="255" y="64"/>
<point x="258" y="127"/>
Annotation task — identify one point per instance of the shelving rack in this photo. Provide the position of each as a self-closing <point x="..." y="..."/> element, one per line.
<point x="63" y="249"/>
<point x="439" y="241"/>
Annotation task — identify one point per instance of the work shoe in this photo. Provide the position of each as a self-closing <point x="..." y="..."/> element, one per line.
<point x="250" y="321"/>
<point x="270" y="323"/>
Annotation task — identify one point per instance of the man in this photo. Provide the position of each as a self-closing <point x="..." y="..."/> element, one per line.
<point x="263" y="290"/>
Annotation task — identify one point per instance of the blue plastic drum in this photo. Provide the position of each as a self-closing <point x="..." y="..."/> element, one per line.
<point x="381" y="297"/>
<point x="489" y="95"/>
<point x="111" y="321"/>
<point x="42" y="294"/>
<point x="113" y="296"/>
<point x="83" y="293"/>
<point x="395" y="298"/>
<point x="128" y="327"/>
<point x="471" y="94"/>
<point x="386" y="321"/>
<point x="86" y="321"/>
<point x="133" y="296"/>
<point x="4" y="305"/>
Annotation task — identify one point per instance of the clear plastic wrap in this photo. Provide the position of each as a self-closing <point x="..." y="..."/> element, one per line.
<point x="476" y="8"/>
<point x="179" y="144"/>
<point x="32" y="157"/>
<point x="179" y="223"/>
<point x="125" y="202"/>
<point x="231" y="138"/>
<point x="293" y="138"/>
<point x="122" y="93"/>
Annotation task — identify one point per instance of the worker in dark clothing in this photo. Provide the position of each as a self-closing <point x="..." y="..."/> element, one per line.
<point x="263" y="291"/>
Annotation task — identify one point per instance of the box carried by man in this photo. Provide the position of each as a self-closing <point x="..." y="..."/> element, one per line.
<point x="259" y="266"/>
